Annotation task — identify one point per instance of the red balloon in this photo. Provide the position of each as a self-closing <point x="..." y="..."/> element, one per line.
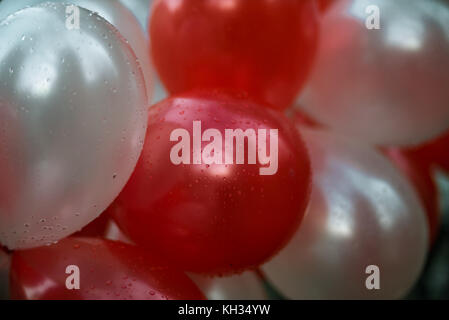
<point x="421" y="176"/>
<point x="107" y="270"/>
<point x="218" y="217"/>
<point x="325" y="4"/>
<point x="265" y="48"/>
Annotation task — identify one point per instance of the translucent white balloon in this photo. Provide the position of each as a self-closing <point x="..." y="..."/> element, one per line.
<point x="362" y="213"/>
<point x="4" y="275"/>
<point x="388" y="86"/>
<point x="245" y="286"/>
<point x="73" y="118"/>
<point x="116" y="14"/>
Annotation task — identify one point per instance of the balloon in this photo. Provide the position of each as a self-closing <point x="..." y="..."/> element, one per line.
<point x="434" y="153"/>
<point x="265" y="48"/>
<point x="107" y="269"/>
<point x="387" y="86"/>
<point x="73" y="117"/>
<point x="116" y="14"/>
<point x="363" y="212"/>
<point x="4" y="275"/>
<point x="245" y="286"/>
<point x="422" y="177"/>
<point x="97" y="228"/>
<point x="140" y="9"/>
<point x="323" y="5"/>
<point x="201" y="209"/>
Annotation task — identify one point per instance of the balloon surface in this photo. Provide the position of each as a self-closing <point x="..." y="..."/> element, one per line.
<point x="140" y="9"/>
<point x="4" y="274"/>
<point x="73" y="115"/>
<point x="245" y="286"/>
<point x="221" y="205"/>
<point x="323" y="5"/>
<point x="265" y="48"/>
<point x="422" y="177"/>
<point x="97" y="228"/>
<point x="434" y="153"/>
<point x="388" y="86"/>
<point x="113" y="12"/>
<point x="107" y="269"/>
<point x="363" y="212"/>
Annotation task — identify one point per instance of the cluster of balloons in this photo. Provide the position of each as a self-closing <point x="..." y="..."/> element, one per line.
<point x="188" y="198"/>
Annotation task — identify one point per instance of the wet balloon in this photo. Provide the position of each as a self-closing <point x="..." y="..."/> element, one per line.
<point x="207" y="200"/>
<point x="73" y="118"/>
<point x="108" y="270"/>
<point x="113" y="12"/>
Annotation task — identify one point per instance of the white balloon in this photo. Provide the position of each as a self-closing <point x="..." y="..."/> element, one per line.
<point x="116" y="14"/>
<point x="245" y="286"/>
<point x="5" y="262"/>
<point x="362" y="212"/>
<point x="73" y="116"/>
<point x="387" y="86"/>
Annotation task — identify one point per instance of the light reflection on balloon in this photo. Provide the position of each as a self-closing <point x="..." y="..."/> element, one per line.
<point x="74" y="133"/>
<point x="112" y="11"/>
<point x="362" y="212"/>
<point x="387" y="86"/>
